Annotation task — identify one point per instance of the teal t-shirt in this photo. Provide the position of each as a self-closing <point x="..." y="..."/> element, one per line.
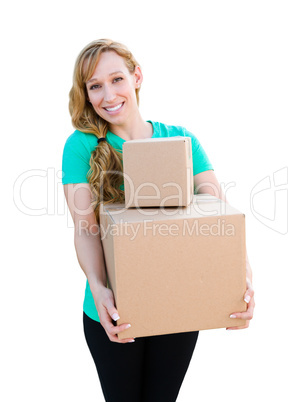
<point x="75" y="166"/>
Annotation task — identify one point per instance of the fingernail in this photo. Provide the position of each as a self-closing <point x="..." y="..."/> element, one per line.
<point x="233" y="316"/>
<point x="128" y="326"/>
<point x="131" y="341"/>
<point x="247" y="299"/>
<point x="115" y="317"/>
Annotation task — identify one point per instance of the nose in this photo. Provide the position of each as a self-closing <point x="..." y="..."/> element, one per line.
<point x="109" y="94"/>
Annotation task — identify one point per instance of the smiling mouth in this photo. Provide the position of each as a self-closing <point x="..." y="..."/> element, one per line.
<point x="113" y="109"/>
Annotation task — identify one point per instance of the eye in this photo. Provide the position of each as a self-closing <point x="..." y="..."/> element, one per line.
<point x="96" y="86"/>
<point x="118" y="79"/>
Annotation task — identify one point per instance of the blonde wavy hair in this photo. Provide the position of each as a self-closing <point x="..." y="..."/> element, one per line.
<point x="106" y="173"/>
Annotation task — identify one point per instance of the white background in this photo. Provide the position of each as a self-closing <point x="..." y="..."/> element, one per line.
<point x="226" y="70"/>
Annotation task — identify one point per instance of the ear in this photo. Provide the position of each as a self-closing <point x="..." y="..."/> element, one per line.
<point x="138" y="77"/>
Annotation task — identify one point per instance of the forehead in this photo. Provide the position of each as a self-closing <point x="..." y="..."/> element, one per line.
<point x="108" y="63"/>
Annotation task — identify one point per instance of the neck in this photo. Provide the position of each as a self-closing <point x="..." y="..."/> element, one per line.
<point x="134" y="129"/>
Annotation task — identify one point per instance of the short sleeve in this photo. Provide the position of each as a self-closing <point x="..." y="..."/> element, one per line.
<point x="75" y="159"/>
<point x="201" y="163"/>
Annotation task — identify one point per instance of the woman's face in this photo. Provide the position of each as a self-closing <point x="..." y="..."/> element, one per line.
<point x="111" y="89"/>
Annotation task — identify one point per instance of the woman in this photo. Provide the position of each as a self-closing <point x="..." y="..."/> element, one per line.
<point x="103" y="105"/>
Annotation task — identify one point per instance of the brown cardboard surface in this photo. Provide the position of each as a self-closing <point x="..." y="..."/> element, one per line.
<point x="175" y="269"/>
<point x="158" y="172"/>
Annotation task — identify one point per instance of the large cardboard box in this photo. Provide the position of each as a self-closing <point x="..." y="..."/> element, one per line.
<point x="158" y="172"/>
<point x="175" y="269"/>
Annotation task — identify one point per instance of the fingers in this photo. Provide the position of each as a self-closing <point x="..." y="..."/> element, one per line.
<point x="109" y="313"/>
<point x="111" y="309"/>
<point x="246" y="315"/>
<point x="249" y="292"/>
<point x="249" y="299"/>
<point x="112" y="332"/>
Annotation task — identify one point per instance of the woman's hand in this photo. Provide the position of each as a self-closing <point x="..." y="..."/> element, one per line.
<point x="247" y="315"/>
<point x="107" y="311"/>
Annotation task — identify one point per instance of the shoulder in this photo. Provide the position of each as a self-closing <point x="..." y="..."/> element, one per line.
<point x="80" y="142"/>
<point x="76" y="157"/>
<point x="80" y="139"/>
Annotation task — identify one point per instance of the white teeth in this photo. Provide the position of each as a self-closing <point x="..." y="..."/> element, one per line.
<point x="114" y="108"/>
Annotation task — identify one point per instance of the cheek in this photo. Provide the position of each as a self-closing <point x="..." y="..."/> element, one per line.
<point x="95" y="98"/>
<point x="95" y="104"/>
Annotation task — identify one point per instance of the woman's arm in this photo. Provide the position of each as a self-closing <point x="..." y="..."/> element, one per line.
<point x="206" y="182"/>
<point x="89" y="250"/>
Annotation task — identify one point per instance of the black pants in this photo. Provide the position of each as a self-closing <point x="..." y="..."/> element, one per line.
<point x="151" y="369"/>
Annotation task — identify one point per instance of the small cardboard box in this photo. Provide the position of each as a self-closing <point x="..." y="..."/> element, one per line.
<point x="175" y="269"/>
<point x="158" y="172"/>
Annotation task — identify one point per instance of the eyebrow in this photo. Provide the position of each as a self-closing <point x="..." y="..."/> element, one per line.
<point x="115" y="72"/>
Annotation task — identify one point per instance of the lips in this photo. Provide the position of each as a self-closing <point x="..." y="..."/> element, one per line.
<point x="114" y="108"/>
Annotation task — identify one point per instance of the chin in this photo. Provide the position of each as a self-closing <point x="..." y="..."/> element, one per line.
<point x="117" y="120"/>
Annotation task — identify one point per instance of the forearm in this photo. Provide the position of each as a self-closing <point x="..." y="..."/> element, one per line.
<point x="91" y="259"/>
